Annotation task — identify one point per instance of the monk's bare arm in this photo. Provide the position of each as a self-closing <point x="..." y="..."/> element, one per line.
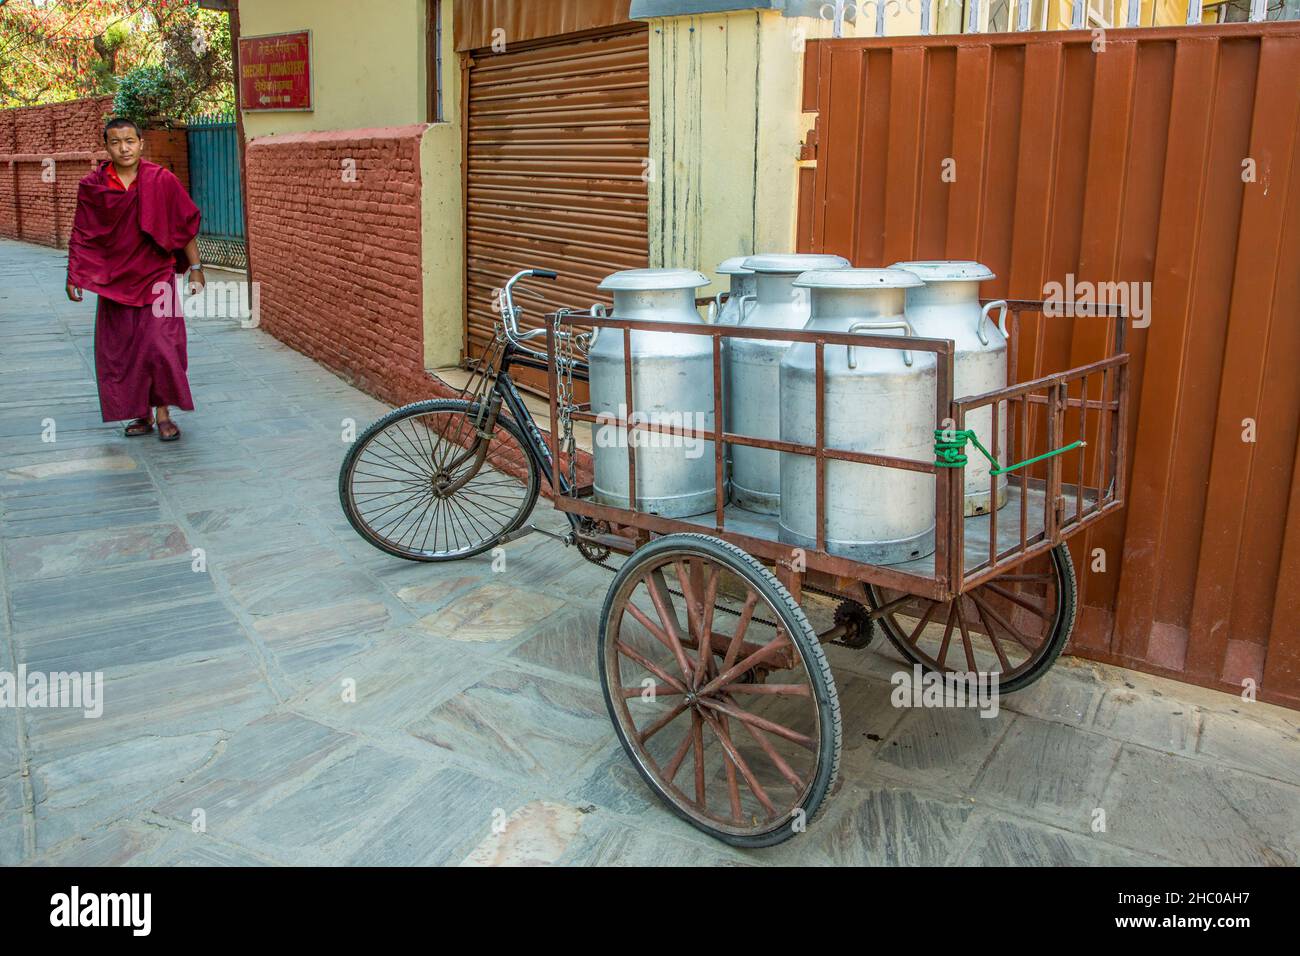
<point x="192" y="257"/>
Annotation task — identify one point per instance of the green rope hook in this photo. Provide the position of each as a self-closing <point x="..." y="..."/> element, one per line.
<point x="950" y="451"/>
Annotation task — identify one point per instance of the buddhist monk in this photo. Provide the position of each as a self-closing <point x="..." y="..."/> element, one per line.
<point x="135" y="228"/>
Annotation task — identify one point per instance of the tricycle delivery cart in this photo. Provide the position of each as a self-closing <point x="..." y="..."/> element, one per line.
<point x="716" y="681"/>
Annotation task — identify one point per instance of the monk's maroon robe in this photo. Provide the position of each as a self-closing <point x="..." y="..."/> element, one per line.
<point x="127" y="247"/>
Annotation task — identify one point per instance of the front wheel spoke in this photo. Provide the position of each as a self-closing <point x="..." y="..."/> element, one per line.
<point x="460" y="509"/>
<point x="782" y="766"/>
<point x="635" y="655"/>
<point x="764" y="653"/>
<point x="733" y="780"/>
<point x="655" y="631"/>
<point x="993" y="639"/>
<point x="738" y="638"/>
<point x="415" y="528"/>
<point x="762" y="723"/>
<point x="661" y="723"/>
<point x="421" y="482"/>
<point x="455" y="511"/>
<point x="398" y="522"/>
<point x="373" y="497"/>
<point x="374" y="516"/>
<point x="415" y="446"/>
<point x="965" y="637"/>
<point x="484" y="511"/>
<point x="1023" y="602"/>
<point x="658" y="690"/>
<point x="947" y="634"/>
<point x="679" y="756"/>
<point x="658" y="589"/>
<point x="697" y="737"/>
<point x="412" y="531"/>
<point x="417" y="468"/>
<point x="423" y="438"/>
<point x="684" y="575"/>
<point x="401" y="463"/>
<point x="734" y="755"/>
<point x="478" y="500"/>
<point x="706" y="625"/>
<point x="920" y="625"/>
<point x="781" y="690"/>
<point x="1001" y="621"/>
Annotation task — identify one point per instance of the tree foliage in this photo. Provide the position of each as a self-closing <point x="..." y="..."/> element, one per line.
<point x="161" y="58"/>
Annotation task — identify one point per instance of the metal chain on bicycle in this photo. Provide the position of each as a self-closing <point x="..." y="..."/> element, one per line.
<point x="565" y="362"/>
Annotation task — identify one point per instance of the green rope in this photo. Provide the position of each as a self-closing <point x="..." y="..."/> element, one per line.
<point x="950" y="451"/>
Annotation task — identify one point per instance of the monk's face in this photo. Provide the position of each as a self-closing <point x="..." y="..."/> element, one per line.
<point x="124" y="147"/>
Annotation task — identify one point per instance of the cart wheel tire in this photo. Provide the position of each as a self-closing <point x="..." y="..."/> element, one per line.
<point x="765" y="754"/>
<point x="402" y="452"/>
<point x="1029" y="611"/>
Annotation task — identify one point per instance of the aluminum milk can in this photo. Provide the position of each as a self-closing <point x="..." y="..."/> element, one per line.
<point x="753" y="374"/>
<point x="672" y="384"/>
<point x="742" y="289"/>
<point x="877" y="401"/>
<point x="948" y="307"/>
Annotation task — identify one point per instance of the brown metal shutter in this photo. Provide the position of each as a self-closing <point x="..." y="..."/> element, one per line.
<point x="558" y="134"/>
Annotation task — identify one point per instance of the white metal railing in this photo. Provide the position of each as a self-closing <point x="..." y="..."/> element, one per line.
<point x="841" y="11"/>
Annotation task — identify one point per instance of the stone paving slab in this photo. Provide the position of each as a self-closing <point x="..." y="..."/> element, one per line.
<point x="304" y="698"/>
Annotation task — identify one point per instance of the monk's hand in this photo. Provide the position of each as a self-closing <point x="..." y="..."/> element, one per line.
<point x="74" y="293"/>
<point x="197" y="281"/>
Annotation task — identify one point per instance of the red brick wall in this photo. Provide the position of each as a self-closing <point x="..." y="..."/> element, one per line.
<point x="339" y="262"/>
<point x="71" y="135"/>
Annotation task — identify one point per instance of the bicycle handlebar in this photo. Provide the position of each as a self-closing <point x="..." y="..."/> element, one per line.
<point x="510" y="312"/>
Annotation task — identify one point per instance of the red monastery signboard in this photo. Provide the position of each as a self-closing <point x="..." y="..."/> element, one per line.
<point x="275" y="72"/>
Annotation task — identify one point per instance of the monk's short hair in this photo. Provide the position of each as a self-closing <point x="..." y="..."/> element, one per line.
<point x="121" y="122"/>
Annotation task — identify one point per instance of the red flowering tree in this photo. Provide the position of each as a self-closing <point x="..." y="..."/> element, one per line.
<point x="53" y="50"/>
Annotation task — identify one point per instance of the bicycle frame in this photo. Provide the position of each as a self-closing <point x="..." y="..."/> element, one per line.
<point x="505" y="392"/>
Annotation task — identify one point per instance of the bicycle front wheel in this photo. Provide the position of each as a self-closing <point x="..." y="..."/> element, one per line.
<point x="422" y="484"/>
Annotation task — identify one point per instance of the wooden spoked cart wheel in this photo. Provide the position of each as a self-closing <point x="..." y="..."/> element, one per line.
<point x="719" y="690"/>
<point x="1014" y="626"/>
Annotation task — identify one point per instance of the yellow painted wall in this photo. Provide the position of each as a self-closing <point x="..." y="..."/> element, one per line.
<point x="369" y="64"/>
<point x="443" y="212"/>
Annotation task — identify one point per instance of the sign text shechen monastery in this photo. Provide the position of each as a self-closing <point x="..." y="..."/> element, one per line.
<point x="275" y="72"/>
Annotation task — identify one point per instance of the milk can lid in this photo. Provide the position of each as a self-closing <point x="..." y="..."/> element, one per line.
<point x="794" y="264"/>
<point x="735" y="266"/>
<point x="653" y="280"/>
<point x="858" y="279"/>
<point x="947" y="271"/>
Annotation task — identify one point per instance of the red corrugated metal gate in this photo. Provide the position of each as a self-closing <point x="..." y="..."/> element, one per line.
<point x="557" y="136"/>
<point x="1168" y="157"/>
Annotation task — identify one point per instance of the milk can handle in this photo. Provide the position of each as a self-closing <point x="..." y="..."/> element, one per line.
<point x="744" y="300"/>
<point x="597" y="311"/>
<point x="715" y="306"/>
<point x="903" y="324"/>
<point x="1002" y="320"/>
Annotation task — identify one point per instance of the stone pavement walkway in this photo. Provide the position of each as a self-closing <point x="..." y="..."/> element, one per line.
<point x="226" y="737"/>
